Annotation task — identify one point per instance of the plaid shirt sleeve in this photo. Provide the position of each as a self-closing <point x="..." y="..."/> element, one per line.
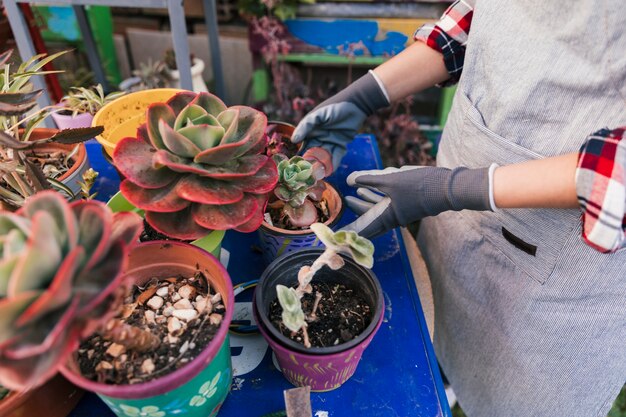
<point x="601" y="189"/>
<point x="449" y="36"/>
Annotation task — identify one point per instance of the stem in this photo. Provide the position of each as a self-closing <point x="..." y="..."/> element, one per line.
<point x="318" y="297"/>
<point x="306" y="278"/>
<point x="305" y="333"/>
<point x="131" y="337"/>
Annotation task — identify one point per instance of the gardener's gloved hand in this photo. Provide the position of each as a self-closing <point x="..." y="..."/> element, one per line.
<point x="411" y="193"/>
<point x="335" y="122"/>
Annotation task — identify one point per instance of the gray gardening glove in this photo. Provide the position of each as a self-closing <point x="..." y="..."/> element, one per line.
<point x="411" y="193"/>
<point x="335" y="122"/>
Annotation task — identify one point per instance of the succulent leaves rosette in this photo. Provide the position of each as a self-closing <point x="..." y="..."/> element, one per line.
<point x="61" y="264"/>
<point x="198" y="166"/>
<point x="299" y="184"/>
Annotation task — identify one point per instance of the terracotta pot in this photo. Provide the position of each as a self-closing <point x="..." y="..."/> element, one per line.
<point x="74" y="175"/>
<point x="276" y="241"/>
<point x="321" y="368"/>
<point x="56" y="398"/>
<point x="196" y="389"/>
<point x="286" y="130"/>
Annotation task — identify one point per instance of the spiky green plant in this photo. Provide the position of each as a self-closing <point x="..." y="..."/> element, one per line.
<point x="88" y="100"/>
<point x="299" y="185"/>
<point x="60" y="266"/>
<point x="198" y="166"/>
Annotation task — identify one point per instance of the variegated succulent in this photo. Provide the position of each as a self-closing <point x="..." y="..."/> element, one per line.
<point x="61" y="263"/>
<point x="349" y="243"/>
<point x="198" y="166"/>
<point x="299" y="184"/>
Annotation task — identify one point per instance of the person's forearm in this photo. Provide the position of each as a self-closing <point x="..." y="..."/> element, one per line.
<point x="548" y="183"/>
<point x="414" y="69"/>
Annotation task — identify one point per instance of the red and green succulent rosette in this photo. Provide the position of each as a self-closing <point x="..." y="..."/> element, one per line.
<point x="198" y="166"/>
<point x="61" y="264"/>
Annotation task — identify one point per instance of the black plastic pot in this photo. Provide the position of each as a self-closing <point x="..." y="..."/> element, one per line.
<point x="284" y="270"/>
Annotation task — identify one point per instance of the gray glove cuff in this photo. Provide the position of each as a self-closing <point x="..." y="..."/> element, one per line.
<point x="365" y="93"/>
<point x="468" y="189"/>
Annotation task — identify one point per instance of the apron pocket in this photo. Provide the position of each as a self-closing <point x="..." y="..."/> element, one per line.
<point x="531" y="238"/>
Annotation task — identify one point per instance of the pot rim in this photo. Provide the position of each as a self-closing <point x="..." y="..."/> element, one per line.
<point x="79" y="158"/>
<point x="331" y="222"/>
<point x="166" y="383"/>
<point x="289" y="344"/>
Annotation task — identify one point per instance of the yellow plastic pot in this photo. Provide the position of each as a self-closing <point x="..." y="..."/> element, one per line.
<point x="123" y="116"/>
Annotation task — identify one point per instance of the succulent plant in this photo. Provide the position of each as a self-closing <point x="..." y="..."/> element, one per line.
<point x="299" y="184"/>
<point x="360" y="249"/>
<point x="198" y="166"/>
<point x="88" y="100"/>
<point x="61" y="264"/>
<point x="20" y="175"/>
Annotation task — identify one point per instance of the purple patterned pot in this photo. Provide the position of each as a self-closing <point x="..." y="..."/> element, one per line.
<point x="321" y="368"/>
<point x="276" y="241"/>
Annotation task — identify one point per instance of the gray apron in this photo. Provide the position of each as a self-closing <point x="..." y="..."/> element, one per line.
<point x="529" y="320"/>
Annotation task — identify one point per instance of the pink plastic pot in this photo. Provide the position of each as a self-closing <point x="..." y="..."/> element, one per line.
<point x="64" y="121"/>
<point x="321" y="368"/>
<point x="197" y="389"/>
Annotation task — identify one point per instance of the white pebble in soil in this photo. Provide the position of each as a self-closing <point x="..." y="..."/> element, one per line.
<point x="186" y="314"/>
<point x="155" y="302"/>
<point x="183" y="304"/>
<point x="162" y="292"/>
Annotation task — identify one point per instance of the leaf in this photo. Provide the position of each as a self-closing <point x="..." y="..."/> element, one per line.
<point x="4" y="57"/>
<point x="133" y="157"/>
<point x="36" y="176"/>
<point x="16" y="104"/>
<point x="163" y="200"/>
<point x="293" y="316"/>
<point x="78" y="135"/>
<point x="302" y="216"/>
<point x="226" y="216"/>
<point x="208" y="191"/>
<point x="12" y="143"/>
<point x="178" y="225"/>
<point x="41" y="259"/>
<point x="358" y="248"/>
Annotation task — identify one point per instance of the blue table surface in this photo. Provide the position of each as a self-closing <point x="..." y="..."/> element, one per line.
<point x="398" y="374"/>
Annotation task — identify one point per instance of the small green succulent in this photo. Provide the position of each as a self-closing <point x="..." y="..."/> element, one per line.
<point x="299" y="184"/>
<point x="347" y="242"/>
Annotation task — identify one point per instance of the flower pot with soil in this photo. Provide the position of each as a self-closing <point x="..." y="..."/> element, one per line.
<point x="300" y="199"/>
<point x="319" y="309"/>
<point x="64" y="162"/>
<point x="123" y="116"/>
<point x="62" y="266"/>
<point x="35" y="159"/>
<point x="80" y="105"/>
<point x="166" y="351"/>
<point x="279" y="139"/>
<point x="198" y="166"/>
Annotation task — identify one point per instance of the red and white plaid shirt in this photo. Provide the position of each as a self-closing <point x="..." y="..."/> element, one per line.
<point x="601" y="171"/>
